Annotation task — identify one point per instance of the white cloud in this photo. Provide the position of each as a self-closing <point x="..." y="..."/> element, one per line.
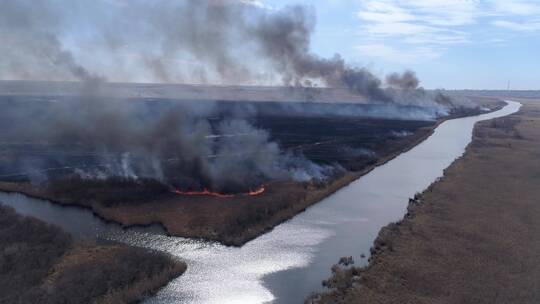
<point x="257" y="3"/>
<point x="516" y="7"/>
<point x="419" y="21"/>
<point x="426" y="28"/>
<point x="417" y="33"/>
<point x="444" y="12"/>
<point x="405" y="55"/>
<point x="530" y="26"/>
<point x="384" y="12"/>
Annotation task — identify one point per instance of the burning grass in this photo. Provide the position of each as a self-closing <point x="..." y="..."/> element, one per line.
<point x="113" y="191"/>
<point x="260" y="190"/>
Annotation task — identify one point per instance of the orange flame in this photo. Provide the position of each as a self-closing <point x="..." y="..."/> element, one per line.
<point x="256" y="192"/>
<point x="207" y="192"/>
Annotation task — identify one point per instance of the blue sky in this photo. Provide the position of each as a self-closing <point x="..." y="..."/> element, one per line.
<point x="452" y="44"/>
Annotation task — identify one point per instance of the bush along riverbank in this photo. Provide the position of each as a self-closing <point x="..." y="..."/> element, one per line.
<point x="41" y="263"/>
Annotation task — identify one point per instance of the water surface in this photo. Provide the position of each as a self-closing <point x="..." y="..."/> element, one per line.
<point x="286" y="264"/>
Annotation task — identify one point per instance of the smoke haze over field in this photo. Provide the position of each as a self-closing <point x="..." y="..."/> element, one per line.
<point x="183" y="41"/>
<point x="99" y="137"/>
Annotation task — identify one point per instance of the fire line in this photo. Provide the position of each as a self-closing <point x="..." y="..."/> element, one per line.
<point x="207" y="192"/>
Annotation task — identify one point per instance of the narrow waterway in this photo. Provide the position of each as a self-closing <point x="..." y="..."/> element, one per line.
<point x="286" y="264"/>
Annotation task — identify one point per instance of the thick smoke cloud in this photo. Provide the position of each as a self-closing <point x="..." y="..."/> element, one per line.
<point x="405" y="81"/>
<point x="284" y="38"/>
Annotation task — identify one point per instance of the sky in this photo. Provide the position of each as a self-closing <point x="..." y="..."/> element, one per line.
<point x="452" y="44"/>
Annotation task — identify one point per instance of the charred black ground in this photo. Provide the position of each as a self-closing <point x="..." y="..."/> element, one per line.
<point x="313" y="142"/>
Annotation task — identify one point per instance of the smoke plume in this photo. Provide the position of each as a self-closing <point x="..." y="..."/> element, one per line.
<point x="184" y="41"/>
<point x="208" y="41"/>
<point x="406" y="81"/>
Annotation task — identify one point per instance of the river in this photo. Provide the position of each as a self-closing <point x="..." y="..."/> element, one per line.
<point x="286" y="264"/>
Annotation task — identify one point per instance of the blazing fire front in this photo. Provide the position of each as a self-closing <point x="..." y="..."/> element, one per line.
<point x="207" y="192"/>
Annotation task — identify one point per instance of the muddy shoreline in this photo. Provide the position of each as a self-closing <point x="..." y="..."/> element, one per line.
<point x="467" y="234"/>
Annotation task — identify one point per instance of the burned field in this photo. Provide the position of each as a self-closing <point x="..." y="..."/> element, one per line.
<point x="324" y="136"/>
<point x="333" y="139"/>
<point x="318" y="152"/>
<point x="352" y="143"/>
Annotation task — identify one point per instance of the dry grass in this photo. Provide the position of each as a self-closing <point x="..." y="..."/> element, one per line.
<point x="40" y="263"/>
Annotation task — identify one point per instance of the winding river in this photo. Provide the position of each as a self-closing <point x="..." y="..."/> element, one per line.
<point x="286" y="264"/>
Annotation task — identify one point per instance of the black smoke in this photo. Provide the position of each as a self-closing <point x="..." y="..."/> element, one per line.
<point x="405" y="81"/>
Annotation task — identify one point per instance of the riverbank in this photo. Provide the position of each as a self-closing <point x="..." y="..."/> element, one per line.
<point x="471" y="237"/>
<point x="42" y="263"/>
<point x="232" y="220"/>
